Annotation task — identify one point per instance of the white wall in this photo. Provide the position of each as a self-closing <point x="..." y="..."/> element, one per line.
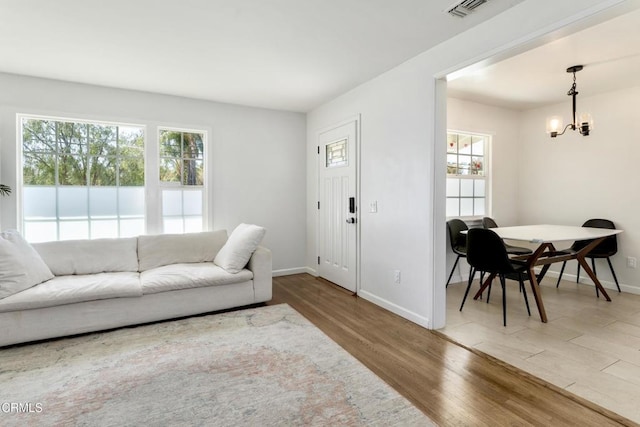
<point x="256" y="162"/>
<point x="402" y="119"/>
<point x="572" y="178"/>
<point x="393" y="153"/>
<point x="504" y="127"/>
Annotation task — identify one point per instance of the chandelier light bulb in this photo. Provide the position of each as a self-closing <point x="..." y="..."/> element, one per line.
<point x="554" y="124"/>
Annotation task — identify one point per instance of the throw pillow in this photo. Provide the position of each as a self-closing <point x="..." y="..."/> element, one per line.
<point x="21" y="267"/>
<point x="235" y="254"/>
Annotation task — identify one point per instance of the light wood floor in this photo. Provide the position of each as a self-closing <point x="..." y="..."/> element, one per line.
<point x="589" y="347"/>
<point x="451" y="384"/>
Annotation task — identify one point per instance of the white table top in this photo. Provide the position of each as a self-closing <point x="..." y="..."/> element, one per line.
<point x="545" y="233"/>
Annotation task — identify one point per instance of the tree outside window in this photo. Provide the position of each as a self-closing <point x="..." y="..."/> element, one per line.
<point x="182" y="179"/>
<point x="81" y="179"/>
<point x="181" y="157"/>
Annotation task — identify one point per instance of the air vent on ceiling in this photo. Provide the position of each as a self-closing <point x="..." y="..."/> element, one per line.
<point x="465" y="7"/>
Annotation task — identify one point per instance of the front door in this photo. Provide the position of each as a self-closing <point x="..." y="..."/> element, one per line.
<point x="337" y="205"/>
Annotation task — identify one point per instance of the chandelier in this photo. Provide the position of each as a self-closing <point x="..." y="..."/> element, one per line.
<point x="584" y="123"/>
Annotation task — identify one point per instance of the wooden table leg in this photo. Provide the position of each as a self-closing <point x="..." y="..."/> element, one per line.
<point x="545" y="267"/>
<point x="485" y="285"/>
<point x="594" y="278"/>
<point x="535" y="288"/>
<point x="543" y="272"/>
<point x="585" y="265"/>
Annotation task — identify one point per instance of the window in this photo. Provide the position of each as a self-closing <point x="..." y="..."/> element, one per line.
<point x="86" y="179"/>
<point x="81" y="179"/>
<point x="182" y="180"/>
<point x="466" y="174"/>
<point x="336" y="154"/>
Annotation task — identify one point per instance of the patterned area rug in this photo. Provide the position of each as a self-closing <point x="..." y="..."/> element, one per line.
<point x="260" y="367"/>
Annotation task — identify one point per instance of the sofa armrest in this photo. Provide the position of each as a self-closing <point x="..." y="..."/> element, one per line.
<point x="261" y="265"/>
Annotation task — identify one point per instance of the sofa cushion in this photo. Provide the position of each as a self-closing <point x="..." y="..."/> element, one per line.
<point x="21" y="267"/>
<point x="68" y="257"/>
<point x="243" y="241"/>
<point x="76" y="288"/>
<point x="192" y="275"/>
<point x="166" y="249"/>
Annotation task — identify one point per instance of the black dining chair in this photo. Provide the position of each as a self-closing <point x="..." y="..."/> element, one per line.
<point x="511" y="250"/>
<point x="458" y="241"/>
<point x="606" y="249"/>
<point x="486" y="252"/>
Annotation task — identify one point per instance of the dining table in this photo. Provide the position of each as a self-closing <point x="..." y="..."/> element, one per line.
<point x="545" y="254"/>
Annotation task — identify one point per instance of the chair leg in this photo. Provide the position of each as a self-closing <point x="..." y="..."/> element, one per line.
<point x="504" y="300"/>
<point x="524" y="293"/>
<point x="613" y="273"/>
<point x="489" y="291"/>
<point x="481" y="281"/>
<point x="593" y="267"/>
<point x="564" y="264"/>
<point x="578" y="275"/>
<point x="452" y="270"/>
<point x="466" y="292"/>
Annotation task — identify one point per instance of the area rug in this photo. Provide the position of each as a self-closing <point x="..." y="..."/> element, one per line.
<point x="266" y="366"/>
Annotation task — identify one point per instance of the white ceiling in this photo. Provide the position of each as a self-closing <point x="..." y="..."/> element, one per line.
<point x="610" y="53"/>
<point x="283" y="54"/>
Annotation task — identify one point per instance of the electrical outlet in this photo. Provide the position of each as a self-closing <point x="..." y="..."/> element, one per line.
<point x="632" y="262"/>
<point x="373" y="207"/>
<point x="396" y="276"/>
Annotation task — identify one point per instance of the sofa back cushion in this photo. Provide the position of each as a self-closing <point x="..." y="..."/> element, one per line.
<point x="165" y="249"/>
<point x="68" y="257"/>
<point x="20" y="265"/>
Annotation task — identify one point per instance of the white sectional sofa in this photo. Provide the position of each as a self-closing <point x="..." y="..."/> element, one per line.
<point x="108" y="283"/>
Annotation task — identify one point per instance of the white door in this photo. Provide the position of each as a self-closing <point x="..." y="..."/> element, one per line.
<point x="337" y="205"/>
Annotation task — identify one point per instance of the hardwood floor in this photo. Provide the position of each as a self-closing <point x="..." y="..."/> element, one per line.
<point x="453" y="385"/>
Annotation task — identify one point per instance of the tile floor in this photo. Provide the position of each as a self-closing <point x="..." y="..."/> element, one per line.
<point x="589" y="346"/>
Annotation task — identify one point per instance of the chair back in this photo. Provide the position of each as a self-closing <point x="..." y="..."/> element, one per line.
<point x="608" y="247"/>
<point x="488" y="223"/>
<point x="486" y="252"/>
<point x="457" y="239"/>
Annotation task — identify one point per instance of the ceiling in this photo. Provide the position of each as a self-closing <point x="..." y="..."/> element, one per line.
<point x="610" y="53"/>
<point x="283" y="54"/>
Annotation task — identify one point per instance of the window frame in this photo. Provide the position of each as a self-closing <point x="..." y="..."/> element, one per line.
<point x="20" y="118"/>
<point x="152" y="186"/>
<point x="486" y="177"/>
<point x="168" y="185"/>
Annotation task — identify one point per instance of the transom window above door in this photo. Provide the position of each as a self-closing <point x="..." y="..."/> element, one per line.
<point x="467" y="170"/>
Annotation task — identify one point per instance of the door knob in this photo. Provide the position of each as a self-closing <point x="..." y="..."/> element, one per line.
<point x="351" y="221"/>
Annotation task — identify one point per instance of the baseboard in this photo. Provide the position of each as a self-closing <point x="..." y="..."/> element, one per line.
<point x="457" y="278"/>
<point x="569" y="278"/>
<point x="407" y="314"/>
<point x="586" y="281"/>
<point x="290" y="271"/>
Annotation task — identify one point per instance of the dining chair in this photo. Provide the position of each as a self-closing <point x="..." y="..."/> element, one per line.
<point x="486" y="252"/>
<point x="458" y="241"/>
<point x="606" y="249"/>
<point x="511" y="250"/>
